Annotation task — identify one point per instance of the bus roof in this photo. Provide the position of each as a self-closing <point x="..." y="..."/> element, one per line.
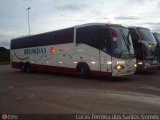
<point x="156" y="33"/>
<point x="78" y="26"/>
<point x="135" y="27"/>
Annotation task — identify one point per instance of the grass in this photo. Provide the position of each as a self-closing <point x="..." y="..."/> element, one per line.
<point x="4" y="62"/>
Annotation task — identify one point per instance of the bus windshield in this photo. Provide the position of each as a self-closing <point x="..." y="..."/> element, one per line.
<point x="146" y="35"/>
<point x="122" y="47"/>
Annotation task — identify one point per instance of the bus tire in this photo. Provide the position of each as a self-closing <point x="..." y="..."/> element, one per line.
<point x="22" y="67"/>
<point x="83" y="69"/>
<point x="28" y="68"/>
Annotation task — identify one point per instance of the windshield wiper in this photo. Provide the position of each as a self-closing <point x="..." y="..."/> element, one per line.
<point x="127" y="43"/>
<point x="128" y="39"/>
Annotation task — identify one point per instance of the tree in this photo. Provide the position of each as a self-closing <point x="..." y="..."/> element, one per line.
<point x="4" y="54"/>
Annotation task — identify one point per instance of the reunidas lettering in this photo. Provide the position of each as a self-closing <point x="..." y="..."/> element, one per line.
<point x="35" y="51"/>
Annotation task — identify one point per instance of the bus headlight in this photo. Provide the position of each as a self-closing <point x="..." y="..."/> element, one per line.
<point x="135" y="65"/>
<point x="149" y="46"/>
<point x="119" y="67"/>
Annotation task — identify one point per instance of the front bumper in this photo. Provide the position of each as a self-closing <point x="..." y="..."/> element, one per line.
<point x="146" y="66"/>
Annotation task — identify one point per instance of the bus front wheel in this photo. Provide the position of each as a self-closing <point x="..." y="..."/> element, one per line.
<point x="22" y="67"/>
<point x="83" y="70"/>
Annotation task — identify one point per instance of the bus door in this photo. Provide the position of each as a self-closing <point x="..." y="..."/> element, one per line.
<point x="104" y="41"/>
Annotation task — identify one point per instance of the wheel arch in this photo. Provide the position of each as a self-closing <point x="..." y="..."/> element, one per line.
<point x="80" y="65"/>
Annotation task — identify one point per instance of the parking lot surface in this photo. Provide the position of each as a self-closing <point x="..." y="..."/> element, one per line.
<point x="60" y="93"/>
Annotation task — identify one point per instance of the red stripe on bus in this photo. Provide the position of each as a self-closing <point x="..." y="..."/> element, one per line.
<point x="15" y="65"/>
<point x="47" y="68"/>
<point x="98" y="73"/>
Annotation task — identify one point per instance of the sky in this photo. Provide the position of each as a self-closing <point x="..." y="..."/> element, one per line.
<point x="49" y="15"/>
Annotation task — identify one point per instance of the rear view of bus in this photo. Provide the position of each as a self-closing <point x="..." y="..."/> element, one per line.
<point x="145" y="48"/>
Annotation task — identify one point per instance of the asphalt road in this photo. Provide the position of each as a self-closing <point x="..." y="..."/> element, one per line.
<point x="57" y="93"/>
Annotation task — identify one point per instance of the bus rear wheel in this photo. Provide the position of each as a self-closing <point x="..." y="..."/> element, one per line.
<point x="28" y="68"/>
<point x="22" y="67"/>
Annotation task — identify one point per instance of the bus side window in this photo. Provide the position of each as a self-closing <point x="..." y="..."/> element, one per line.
<point x="87" y="35"/>
<point x="64" y="36"/>
<point x="104" y="38"/>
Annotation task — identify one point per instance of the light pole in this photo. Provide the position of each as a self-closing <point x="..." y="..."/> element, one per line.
<point x="28" y="19"/>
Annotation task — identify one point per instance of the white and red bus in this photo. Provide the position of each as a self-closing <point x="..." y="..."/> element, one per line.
<point x="89" y="49"/>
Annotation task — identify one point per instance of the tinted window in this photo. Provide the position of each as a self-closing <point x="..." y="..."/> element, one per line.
<point x="64" y="36"/>
<point x="95" y="36"/>
<point x="146" y="34"/>
<point x="122" y="47"/>
<point x="51" y="38"/>
<point x="104" y="40"/>
<point x="87" y="35"/>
